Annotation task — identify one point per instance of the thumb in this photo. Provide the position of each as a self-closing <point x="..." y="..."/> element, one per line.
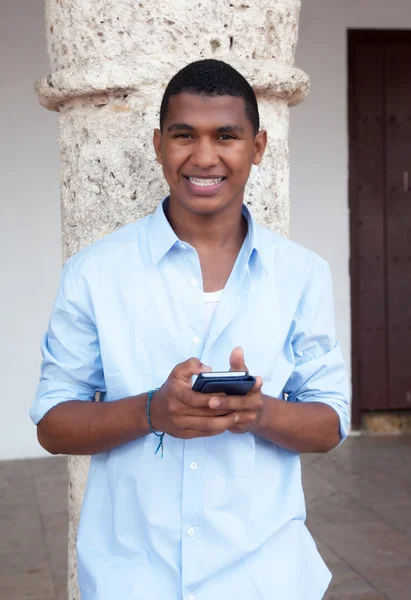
<point x="237" y="360"/>
<point x="185" y="370"/>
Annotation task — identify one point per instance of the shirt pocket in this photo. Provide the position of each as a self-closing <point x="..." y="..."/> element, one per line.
<point x="230" y="455"/>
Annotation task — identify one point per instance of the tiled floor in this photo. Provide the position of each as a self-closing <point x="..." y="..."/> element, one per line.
<point x="359" y="511"/>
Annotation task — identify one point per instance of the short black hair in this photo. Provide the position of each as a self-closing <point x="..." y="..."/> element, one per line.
<point x="211" y="77"/>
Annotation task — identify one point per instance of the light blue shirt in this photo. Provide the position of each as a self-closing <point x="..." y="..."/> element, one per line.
<point x="217" y="518"/>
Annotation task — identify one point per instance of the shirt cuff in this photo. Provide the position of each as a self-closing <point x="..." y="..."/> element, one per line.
<point x="51" y="393"/>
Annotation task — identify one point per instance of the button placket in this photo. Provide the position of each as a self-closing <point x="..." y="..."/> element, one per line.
<point x="193" y="297"/>
<point x="192" y="516"/>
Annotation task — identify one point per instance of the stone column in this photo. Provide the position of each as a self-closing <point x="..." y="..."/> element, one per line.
<point x="110" y="62"/>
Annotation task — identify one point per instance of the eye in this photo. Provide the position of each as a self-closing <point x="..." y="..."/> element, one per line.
<point x="226" y="136"/>
<point x="183" y="136"/>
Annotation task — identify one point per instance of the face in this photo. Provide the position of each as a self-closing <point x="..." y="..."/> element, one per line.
<point x="206" y="148"/>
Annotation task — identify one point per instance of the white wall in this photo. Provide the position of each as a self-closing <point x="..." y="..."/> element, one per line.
<point x="319" y="140"/>
<point x="30" y="240"/>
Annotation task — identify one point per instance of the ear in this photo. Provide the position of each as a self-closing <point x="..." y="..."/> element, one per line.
<point x="157" y="145"/>
<point x="260" y="143"/>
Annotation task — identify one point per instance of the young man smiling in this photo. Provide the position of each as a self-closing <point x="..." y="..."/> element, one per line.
<point x="219" y="512"/>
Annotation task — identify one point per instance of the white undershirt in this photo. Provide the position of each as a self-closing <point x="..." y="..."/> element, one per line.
<point x="211" y="300"/>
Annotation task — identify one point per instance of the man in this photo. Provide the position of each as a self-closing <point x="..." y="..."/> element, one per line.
<point x="219" y="512"/>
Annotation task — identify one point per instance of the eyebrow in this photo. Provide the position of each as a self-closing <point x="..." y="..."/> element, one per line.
<point x="230" y="129"/>
<point x="179" y="127"/>
<point x="223" y="129"/>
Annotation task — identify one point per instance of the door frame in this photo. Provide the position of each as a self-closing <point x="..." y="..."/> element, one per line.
<point x="353" y="36"/>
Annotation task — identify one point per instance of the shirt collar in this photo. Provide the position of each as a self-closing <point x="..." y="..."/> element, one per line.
<point x="162" y="238"/>
<point x="253" y="240"/>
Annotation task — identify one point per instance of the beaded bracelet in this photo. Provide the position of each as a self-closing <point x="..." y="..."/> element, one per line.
<point x="159" y="435"/>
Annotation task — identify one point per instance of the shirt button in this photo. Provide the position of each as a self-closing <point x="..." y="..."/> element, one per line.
<point x="194" y="466"/>
<point x="191" y="597"/>
<point x="191" y="531"/>
<point x="193" y="282"/>
<point x="183" y="247"/>
<point x="196" y="340"/>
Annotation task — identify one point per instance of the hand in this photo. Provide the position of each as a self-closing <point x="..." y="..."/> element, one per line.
<point x="250" y="408"/>
<point x="182" y="413"/>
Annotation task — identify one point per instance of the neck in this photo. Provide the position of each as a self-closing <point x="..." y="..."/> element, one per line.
<point x="217" y="232"/>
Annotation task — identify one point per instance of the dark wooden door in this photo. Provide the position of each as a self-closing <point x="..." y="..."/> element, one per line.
<point x="380" y="218"/>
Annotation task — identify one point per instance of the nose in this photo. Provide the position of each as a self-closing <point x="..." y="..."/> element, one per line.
<point x="205" y="154"/>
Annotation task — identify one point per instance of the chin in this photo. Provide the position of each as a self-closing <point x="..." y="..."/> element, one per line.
<point x="208" y="205"/>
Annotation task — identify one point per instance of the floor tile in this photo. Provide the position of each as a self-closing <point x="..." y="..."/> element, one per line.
<point x="24" y="566"/>
<point x="328" y="504"/>
<point x="396" y="515"/>
<point x="364" y="546"/>
<point x="35" y="584"/>
<point x="22" y="545"/>
<point x="393" y="581"/>
<point x="51" y="481"/>
<point x="315" y="485"/>
<point x="49" y="465"/>
<point x="344" y="595"/>
<point x="346" y="583"/>
<point x="17" y="486"/>
<point x="56" y="535"/>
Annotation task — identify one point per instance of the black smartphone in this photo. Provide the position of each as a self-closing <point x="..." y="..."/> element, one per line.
<point x="232" y="383"/>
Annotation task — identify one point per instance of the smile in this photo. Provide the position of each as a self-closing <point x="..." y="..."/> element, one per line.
<point x="205" y="182"/>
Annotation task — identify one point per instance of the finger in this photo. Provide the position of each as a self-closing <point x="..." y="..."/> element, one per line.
<point x="197" y="399"/>
<point x="193" y="433"/>
<point x="211" y="424"/>
<point x="257" y="386"/>
<point x="185" y="370"/>
<point x="206" y="411"/>
<point x="233" y="403"/>
<point x="237" y="360"/>
<point x="246" y="421"/>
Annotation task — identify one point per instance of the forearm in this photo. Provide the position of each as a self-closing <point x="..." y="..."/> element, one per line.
<point x="299" y="426"/>
<point x="82" y="428"/>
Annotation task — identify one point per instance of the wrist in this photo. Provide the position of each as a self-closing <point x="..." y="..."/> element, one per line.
<point x="267" y="417"/>
<point x="150" y="424"/>
<point x="141" y="414"/>
<point x="153" y="416"/>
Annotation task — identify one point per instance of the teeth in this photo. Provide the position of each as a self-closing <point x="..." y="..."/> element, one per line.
<point x="205" y="182"/>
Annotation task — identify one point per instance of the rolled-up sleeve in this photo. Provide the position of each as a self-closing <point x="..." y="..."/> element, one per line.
<point x="71" y="368"/>
<point x="319" y="374"/>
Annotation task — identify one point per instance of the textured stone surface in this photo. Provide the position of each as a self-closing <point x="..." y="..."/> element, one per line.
<point x="266" y="76"/>
<point x="125" y="45"/>
<point x="387" y="423"/>
<point x="259" y="29"/>
<point x="111" y="60"/>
